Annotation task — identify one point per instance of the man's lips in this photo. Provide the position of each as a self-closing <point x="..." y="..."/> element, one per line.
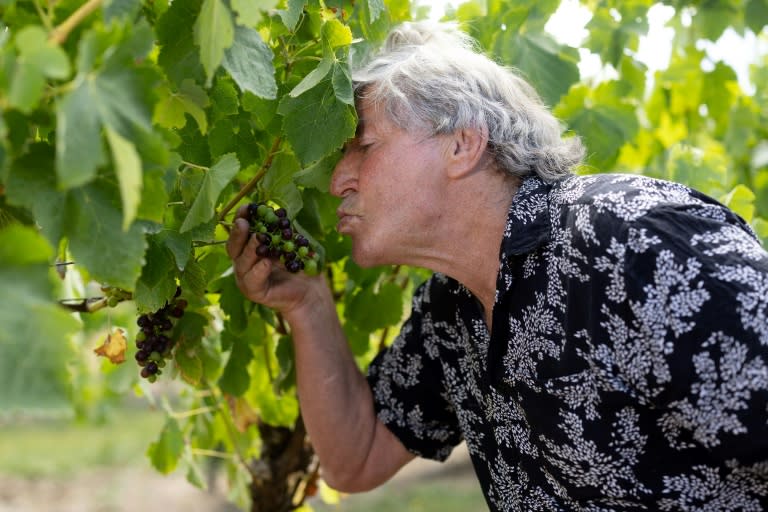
<point x="346" y="218"/>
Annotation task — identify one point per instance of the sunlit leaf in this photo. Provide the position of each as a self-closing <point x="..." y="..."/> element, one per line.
<point x="214" y="181"/>
<point x="214" y="32"/>
<point x="166" y="451"/>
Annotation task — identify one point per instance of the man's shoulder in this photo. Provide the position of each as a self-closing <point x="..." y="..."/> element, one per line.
<point x="581" y="189"/>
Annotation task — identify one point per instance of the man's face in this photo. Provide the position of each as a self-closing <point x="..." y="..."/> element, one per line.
<point x="390" y="181"/>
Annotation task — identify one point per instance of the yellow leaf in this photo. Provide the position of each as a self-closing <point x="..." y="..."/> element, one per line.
<point x="113" y="347"/>
<point x="242" y="414"/>
<point x="670" y="131"/>
<point x="328" y="494"/>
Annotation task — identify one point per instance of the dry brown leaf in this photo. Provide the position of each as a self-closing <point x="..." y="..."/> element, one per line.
<point x="113" y="347"/>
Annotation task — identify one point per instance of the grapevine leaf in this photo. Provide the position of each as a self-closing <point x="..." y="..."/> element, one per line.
<point x="286" y="356"/>
<point x="79" y="150"/>
<point x="190" y="99"/>
<point x="375" y="9"/>
<point x="249" y="62"/>
<point x="235" y="379"/>
<point x="179" y="244"/>
<point x="38" y="59"/>
<point x="225" y="99"/>
<point x="195" y="474"/>
<point x="166" y="451"/>
<point x="214" y="181"/>
<point x="118" y="97"/>
<point x="221" y="139"/>
<point x="154" y="195"/>
<point x="158" y="277"/>
<point x="342" y="84"/>
<point x="233" y="304"/>
<point x="38" y="347"/>
<point x="31" y="183"/>
<point x="96" y="238"/>
<point x="756" y="15"/>
<point x="35" y="249"/>
<point x="243" y="416"/>
<point x="336" y="34"/>
<point x="292" y="14"/>
<point x="278" y="183"/>
<point x="316" y="123"/>
<point x="189" y="364"/>
<point x="189" y="333"/>
<point x="318" y="175"/>
<point x="250" y="12"/>
<point x="123" y="97"/>
<point x="550" y="67"/>
<point x="605" y="125"/>
<point x="26" y="88"/>
<point x="179" y="56"/>
<point x="193" y="278"/>
<point x="387" y="301"/>
<point x="274" y="408"/>
<point x="129" y="176"/>
<point x="742" y="201"/>
<point x="117" y="9"/>
<point x="313" y="77"/>
<point x="214" y="33"/>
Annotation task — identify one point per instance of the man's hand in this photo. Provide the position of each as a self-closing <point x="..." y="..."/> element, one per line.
<point x="262" y="280"/>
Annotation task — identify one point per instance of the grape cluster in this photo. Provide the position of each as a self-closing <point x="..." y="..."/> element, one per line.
<point x="153" y="342"/>
<point x="279" y="240"/>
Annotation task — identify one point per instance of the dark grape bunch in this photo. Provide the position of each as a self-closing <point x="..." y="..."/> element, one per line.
<point x="279" y="240"/>
<point x="153" y="341"/>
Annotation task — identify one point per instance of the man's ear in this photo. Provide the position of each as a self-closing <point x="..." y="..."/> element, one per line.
<point x="466" y="151"/>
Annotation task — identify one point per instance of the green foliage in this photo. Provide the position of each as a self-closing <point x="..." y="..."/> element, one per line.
<point x="130" y="134"/>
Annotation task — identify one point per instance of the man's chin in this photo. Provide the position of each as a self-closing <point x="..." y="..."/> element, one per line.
<point x="366" y="258"/>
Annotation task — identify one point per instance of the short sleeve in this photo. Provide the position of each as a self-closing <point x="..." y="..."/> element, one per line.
<point x="697" y="292"/>
<point x="407" y="386"/>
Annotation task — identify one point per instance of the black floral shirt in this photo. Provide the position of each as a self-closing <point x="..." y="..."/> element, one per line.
<point x="628" y="364"/>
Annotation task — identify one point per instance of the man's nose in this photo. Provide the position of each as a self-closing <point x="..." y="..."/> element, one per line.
<point x="343" y="179"/>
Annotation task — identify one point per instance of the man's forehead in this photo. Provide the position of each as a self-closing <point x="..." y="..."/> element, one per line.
<point x="371" y="119"/>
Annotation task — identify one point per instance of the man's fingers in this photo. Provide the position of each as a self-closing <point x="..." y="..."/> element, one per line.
<point x="237" y="237"/>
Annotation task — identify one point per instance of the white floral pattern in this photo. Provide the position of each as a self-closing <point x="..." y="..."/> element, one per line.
<point x="628" y="365"/>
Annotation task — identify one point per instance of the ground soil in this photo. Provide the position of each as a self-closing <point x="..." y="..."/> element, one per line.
<point x="132" y="489"/>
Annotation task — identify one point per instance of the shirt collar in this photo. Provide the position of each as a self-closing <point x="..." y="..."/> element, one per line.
<point x="528" y="223"/>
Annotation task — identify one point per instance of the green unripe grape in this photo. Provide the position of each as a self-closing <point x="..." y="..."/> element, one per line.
<point x="288" y="246"/>
<point x="310" y="267"/>
<point x="276" y="239"/>
<point x="141" y="336"/>
<point x="262" y="210"/>
<point x="113" y="301"/>
<point x="270" y="217"/>
<point x="302" y="252"/>
<point x="155" y="356"/>
<point x="152" y="378"/>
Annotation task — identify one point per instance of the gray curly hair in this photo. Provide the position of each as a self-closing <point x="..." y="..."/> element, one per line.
<point x="431" y="77"/>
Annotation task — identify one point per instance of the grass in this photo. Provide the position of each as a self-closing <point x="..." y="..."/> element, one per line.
<point x="61" y="448"/>
<point x="423" y="495"/>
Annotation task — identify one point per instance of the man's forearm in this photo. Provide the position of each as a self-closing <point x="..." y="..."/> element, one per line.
<point x="336" y="401"/>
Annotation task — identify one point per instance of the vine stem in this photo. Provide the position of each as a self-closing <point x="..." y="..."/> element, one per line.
<point x="59" y="34"/>
<point x="248" y="187"/>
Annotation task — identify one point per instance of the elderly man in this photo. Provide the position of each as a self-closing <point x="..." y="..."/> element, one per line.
<point x="600" y="342"/>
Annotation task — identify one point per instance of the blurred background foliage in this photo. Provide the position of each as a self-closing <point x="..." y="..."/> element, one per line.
<point x="194" y="99"/>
